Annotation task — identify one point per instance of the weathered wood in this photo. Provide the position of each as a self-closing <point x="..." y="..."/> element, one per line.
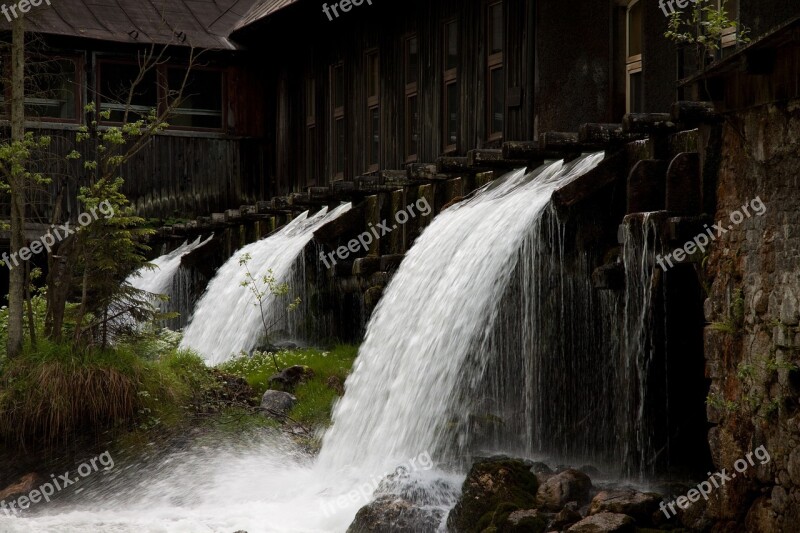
<point x="557" y="141"/>
<point x="684" y="185"/>
<point x="694" y="113"/>
<point x="648" y="123"/>
<point x="605" y="135"/>
<point x="605" y="173"/>
<point x="492" y="159"/>
<point x="424" y="171"/>
<point x="527" y="151"/>
<point x="647" y="186"/>
<point x="453" y="165"/>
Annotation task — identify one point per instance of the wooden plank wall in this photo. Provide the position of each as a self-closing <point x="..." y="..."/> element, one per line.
<point x="384" y="27"/>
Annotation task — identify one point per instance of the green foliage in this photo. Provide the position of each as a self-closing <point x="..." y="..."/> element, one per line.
<point x="57" y="394"/>
<point x="702" y="27"/>
<point x="263" y="290"/>
<point x="735" y="321"/>
<point x="317" y="396"/>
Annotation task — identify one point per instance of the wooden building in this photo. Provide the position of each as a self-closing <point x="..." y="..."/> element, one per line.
<point x="212" y="156"/>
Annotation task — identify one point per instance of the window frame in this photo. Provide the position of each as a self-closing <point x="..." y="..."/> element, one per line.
<point x="634" y="64"/>
<point x="162" y="92"/>
<point x="337" y="116"/>
<point x="78" y="81"/>
<point x="311" y="140"/>
<point x="449" y="77"/>
<point x="373" y="104"/>
<point x="494" y="61"/>
<point x="411" y="91"/>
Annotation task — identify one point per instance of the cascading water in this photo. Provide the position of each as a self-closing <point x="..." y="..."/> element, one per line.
<point x="422" y="365"/>
<point x="162" y="278"/>
<point x="433" y="363"/>
<point x="226" y="321"/>
<point x="642" y="281"/>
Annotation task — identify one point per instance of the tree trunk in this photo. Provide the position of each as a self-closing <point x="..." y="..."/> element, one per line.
<point x="16" y="292"/>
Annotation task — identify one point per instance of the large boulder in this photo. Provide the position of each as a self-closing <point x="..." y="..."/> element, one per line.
<point x="277" y="404"/>
<point x="493" y="490"/>
<point x="568" y="486"/>
<point x="392" y="513"/>
<point x="605" y="523"/>
<point x="639" y="505"/>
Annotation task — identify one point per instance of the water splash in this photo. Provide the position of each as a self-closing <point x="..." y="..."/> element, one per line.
<point x="429" y="342"/>
<point x="225" y="321"/>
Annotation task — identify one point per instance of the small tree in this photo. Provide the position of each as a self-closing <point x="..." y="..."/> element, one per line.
<point x="265" y="289"/>
<point x="702" y="27"/>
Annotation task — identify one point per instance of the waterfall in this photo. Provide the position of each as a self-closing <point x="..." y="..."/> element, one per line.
<point x="226" y="321"/>
<point x="422" y="367"/>
<point x="639" y="354"/>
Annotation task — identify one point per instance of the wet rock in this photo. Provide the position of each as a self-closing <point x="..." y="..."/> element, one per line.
<point x="590" y="471"/>
<point x="335" y="383"/>
<point x="566" y="517"/>
<point x="493" y="490"/>
<point x="541" y="468"/>
<point x="567" y="486"/>
<point x="289" y="378"/>
<point x="277" y="404"/>
<point x="390" y="513"/>
<point x="639" y="505"/>
<point x="525" y="521"/>
<point x="604" y="523"/>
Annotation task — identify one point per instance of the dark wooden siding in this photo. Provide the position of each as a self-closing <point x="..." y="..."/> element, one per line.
<point x="384" y="27"/>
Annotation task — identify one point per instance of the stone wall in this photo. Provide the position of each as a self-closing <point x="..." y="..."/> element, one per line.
<point x="753" y="339"/>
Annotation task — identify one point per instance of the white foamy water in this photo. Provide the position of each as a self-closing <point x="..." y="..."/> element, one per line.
<point x="423" y="349"/>
<point x="225" y="321"/>
<point x="159" y="279"/>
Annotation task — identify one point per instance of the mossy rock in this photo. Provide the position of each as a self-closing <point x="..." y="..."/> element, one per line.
<point x="493" y="489"/>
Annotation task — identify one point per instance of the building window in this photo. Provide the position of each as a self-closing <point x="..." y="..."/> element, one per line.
<point x="115" y="83"/>
<point x="51" y="90"/>
<point x="495" y="86"/>
<point x="450" y="105"/>
<point x="373" y="111"/>
<point x="729" y="37"/>
<point x="633" y="62"/>
<point x="200" y="105"/>
<point x="411" y="100"/>
<point x="311" y="131"/>
<point x="339" y="134"/>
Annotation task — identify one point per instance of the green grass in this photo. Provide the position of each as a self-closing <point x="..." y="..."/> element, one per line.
<point x="316" y="397"/>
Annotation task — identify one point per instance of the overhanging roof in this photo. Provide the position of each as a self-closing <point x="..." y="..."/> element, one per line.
<point x="205" y="24"/>
<point x="262" y="10"/>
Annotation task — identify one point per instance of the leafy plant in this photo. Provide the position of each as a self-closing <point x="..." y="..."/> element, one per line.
<point x="702" y="27"/>
<point x="264" y="289"/>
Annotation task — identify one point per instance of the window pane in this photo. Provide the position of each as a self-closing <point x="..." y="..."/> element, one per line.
<point x="451" y="42"/>
<point x="412" y="125"/>
<point x="50" y="89"/>
<point x="372" y="75"/>
<point x="339" y="139"/>
<point x="636" y="93"/>
<point x="635" y="29"/>
<point x="311" y="110"/>
<point x="338" y="86"/>
<point x="496" y="28"/>
<point x="201" y="102"/>
<point x="115" y="83"/>
<point x="412" y="60"/>
<point x="375" y="136"/>
<point x="311" y="155"/>
<point x="498" y="102"/>
<point x="452" y="114"/>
